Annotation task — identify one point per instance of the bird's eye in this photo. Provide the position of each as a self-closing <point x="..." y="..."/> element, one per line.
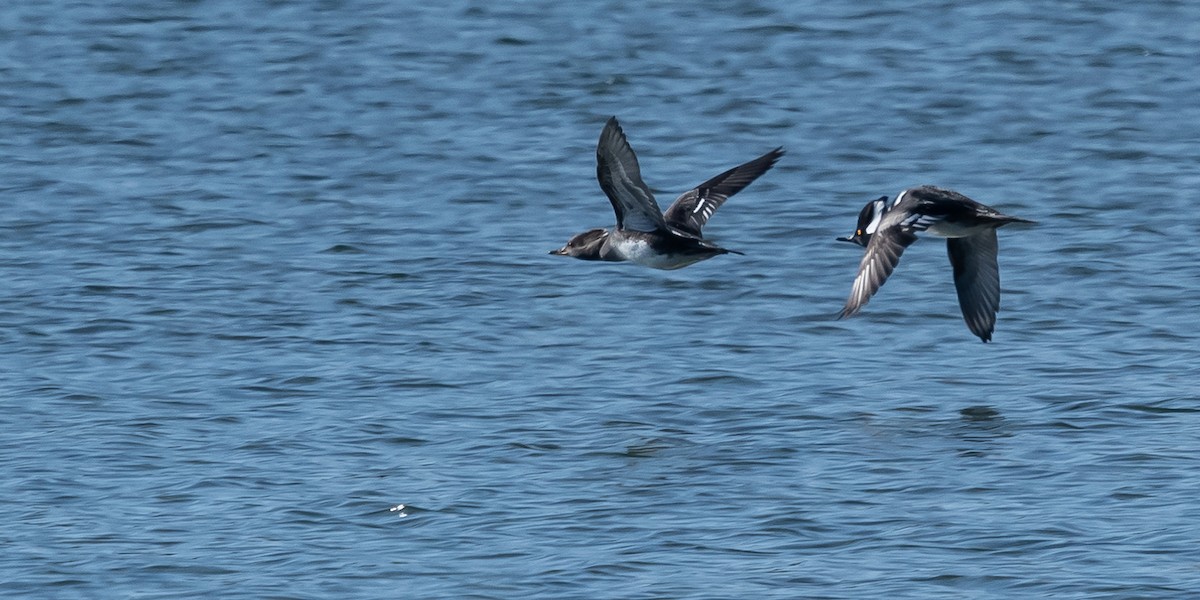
<point x="859" y="232"/>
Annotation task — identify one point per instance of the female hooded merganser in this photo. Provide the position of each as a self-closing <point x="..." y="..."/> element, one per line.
<point x="885" y="229"/>
<point x="643" y="233"/>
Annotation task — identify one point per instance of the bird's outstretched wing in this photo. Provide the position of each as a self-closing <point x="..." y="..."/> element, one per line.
<point x="621" y="179"/>
<point x="692" y="209"/>
<point x="977" y="279"/>
<point x="882" y="256"/>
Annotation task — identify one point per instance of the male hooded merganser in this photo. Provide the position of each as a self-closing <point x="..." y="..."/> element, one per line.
<point x="643" y="233"/>
<point x="885" y="229"/>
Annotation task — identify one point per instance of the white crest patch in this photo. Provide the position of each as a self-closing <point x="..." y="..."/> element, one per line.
<point x="873" y="226"/>
<point x="899" y="198"/>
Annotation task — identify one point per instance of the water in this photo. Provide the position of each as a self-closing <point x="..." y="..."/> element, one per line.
<point x="274" y="269"/>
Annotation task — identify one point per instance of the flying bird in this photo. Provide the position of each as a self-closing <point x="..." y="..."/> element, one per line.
<point x="644" y="234"/>
<point x="886" y="228"/>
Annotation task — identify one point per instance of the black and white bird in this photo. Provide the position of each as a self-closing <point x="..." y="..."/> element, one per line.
<point x="644" y="234"/>
<point x="886" y="228"/>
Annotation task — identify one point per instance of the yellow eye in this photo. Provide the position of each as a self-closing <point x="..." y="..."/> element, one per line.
<point x="859" y="232"/>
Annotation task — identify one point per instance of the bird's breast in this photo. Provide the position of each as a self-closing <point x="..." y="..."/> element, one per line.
<point x="641" y="251"/>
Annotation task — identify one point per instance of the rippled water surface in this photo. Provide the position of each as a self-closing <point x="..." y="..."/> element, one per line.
<point x="278" y="319"/>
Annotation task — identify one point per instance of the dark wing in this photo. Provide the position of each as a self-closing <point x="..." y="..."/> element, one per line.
<point x="882" y="256"/>
<point x="621" y="179"/>
<point x="692" y="209"/>
<point x="977" y="279"/>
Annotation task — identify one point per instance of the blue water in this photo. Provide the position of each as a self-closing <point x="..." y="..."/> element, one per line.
<point x="278" y="319"/>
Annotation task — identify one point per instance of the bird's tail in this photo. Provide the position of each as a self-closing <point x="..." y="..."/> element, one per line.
<point x="1005" y="219"/>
